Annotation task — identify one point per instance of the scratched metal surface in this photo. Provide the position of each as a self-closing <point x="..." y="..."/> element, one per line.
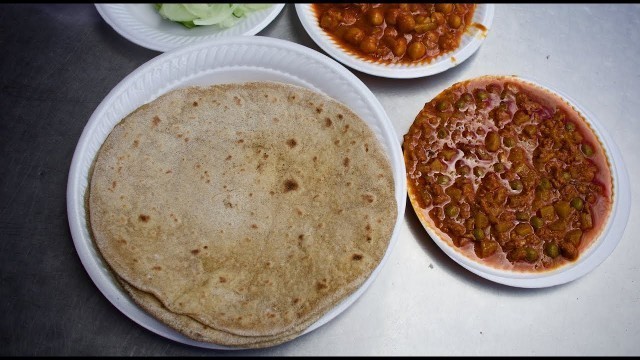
<point x="57" y="63"/>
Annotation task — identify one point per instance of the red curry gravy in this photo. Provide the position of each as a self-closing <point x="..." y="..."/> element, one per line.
<point x="508" y="173"/>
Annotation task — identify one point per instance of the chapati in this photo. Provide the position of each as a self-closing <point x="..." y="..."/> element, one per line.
<point x="251" y="208"/>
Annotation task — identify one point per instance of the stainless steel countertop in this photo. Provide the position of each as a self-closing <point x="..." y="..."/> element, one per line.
<point x="59" y="61"/>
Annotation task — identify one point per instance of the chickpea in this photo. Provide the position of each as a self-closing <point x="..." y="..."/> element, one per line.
<point x="400" y="47"/>
<point x="388" y="40"/>
<point x="390" y="31"/>
<point x="431" y="45"/>
<point x="444" y="8"/>
<point x="431" y="36"/>
<point x="421" y="19"/>
<point x="454" y="21"/>
<point x="416" y="50"/>
<point x="328" y="22"/>
<point x="446" y="42"/>
<point x="406" y="22"/>
<point x="350" y="17"/>
<point x="391" y="16"/>
<point x="438" y="18"/>
<point x="375" y="16"/>
<point x="369" y="44"/>
<point x="354" y="35"/>
<point x="335" y="13"/>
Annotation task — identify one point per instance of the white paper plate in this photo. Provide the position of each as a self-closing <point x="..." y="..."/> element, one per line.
<point x="236" y="59"/>
<point x="141" y="24"/>
<point x="601" y="247"/>
<point x="470" y="42"/>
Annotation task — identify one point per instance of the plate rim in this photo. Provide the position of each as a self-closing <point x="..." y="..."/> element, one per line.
<point x="445" y="62"/>
<point x="105" y="11"/>
<point x="611" y="234"/>
<point x="90" y="256"/>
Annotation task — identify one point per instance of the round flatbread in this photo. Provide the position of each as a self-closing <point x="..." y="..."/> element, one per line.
<point x="251" y="208"/>
<point x="199" y="331"/>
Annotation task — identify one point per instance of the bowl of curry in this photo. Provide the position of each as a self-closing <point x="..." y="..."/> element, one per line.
<point x="397" y="40"/>
<point x="515" y="181"/>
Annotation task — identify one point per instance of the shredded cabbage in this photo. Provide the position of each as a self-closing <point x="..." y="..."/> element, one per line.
<point x="192" y="15"/>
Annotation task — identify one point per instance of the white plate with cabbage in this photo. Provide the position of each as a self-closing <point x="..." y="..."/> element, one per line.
<point x="163" y="27"/>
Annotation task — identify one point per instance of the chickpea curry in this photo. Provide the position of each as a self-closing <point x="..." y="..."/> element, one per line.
<point x="395" y="32"/>
<point x="508" y="173"/>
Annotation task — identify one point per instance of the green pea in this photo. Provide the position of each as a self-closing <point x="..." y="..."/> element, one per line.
<point x="536" y="222"/>
<point x="516" y="185"/>
<point x="531" y="254"/>
<point x="569" y="126"/>
<point x="451" y="210"/>
<point x="587" y="150"/>
<point x="566" y="176"/>
<point x="443" y="106"/>
<point x="465" y="99"/>
<point x="552" y="250"/>
<point x="481" y="220"/>
<point x="478" y="234"/>
<point x="545" y="184"/>
<point x="498" y="167"/>
<point x="577" y="203"/>
<point x="482" y="95"/>
<point x="442" y="133"/>
<point x="478" y="171"/>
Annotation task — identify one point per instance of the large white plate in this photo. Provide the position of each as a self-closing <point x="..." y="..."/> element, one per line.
<point x="236" y="59"/>
<point x="141" y="24"/>
<point x="470" y="42"/>
<point x="602" y="246"/>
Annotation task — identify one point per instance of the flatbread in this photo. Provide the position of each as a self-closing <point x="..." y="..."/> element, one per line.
<point x="251" y="208"/>
<point x="199" y="331"/>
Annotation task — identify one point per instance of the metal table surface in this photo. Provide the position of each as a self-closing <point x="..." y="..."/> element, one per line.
<point x="58" y="62"/>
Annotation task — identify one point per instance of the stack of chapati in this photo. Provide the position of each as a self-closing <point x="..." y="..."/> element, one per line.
<point x="239" y="214"/>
